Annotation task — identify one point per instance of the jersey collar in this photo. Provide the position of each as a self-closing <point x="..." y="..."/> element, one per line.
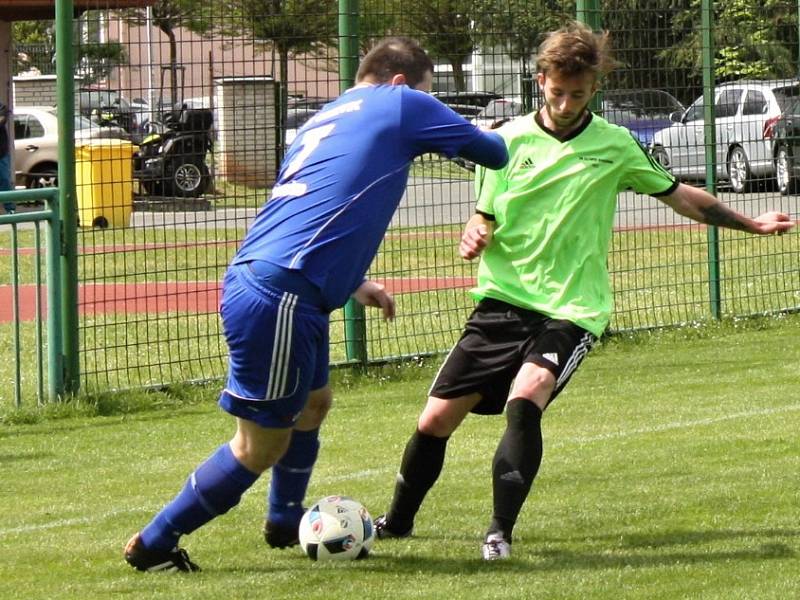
<point x="571" y="135"/>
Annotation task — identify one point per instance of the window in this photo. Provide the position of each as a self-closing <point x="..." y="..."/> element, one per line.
<point x="27" y="126"/>
<point x="695" y="112"/>
<point x="755" y="103"/>
<point x="727" y="103"/>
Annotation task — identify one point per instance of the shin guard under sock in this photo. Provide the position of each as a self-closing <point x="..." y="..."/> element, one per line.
<point x="213" y="489"/>
<point x="420" y="468"/>
<point x="516" y="463"/>
<point x="290" y="478"/>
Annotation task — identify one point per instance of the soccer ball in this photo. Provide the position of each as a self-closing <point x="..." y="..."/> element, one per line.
<point x="336" y="528"/>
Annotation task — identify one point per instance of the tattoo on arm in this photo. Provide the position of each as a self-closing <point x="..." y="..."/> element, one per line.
<point x="721" y="215"/>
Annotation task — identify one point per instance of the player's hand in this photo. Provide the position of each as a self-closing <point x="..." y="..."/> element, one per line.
<point x="773" y="223"/>
<point x="473" y="242"/>
<point x="371" y="293"/>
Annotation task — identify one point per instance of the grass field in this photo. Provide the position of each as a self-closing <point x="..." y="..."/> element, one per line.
<point x="671" y="469"/>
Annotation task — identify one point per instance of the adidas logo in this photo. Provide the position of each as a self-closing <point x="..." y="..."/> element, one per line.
<point x="527" y="164"/>
<point x="552" y="357"/>
<point x="512" y="477"/>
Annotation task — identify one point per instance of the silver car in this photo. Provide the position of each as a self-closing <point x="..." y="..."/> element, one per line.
<point x="36" y="143"/>
<point x="745" y="113"/>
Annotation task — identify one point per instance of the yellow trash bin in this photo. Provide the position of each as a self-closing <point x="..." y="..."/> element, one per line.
<point x="104" y="183"/>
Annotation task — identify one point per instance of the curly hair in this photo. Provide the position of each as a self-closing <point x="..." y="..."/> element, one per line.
<point x="575" y="49"/>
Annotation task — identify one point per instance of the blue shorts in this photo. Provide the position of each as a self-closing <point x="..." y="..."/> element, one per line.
<point x="278" y="349"/>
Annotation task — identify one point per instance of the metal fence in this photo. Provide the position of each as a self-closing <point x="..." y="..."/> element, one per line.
<point x="232" y="81"/>
<point x="30" y="317"/>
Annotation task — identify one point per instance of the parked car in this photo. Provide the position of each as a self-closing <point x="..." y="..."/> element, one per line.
<point x="107" y="106"/>
<point x="36" y="143"/>
<point x="786" y="149"/>
<point x="643" y="112"/>
<point x="308" y="102"/>
<point x="497" y="112"/>
<point x="745" y="116"/>
<point x="296" y="117"/>
<point x="468" y="104"/>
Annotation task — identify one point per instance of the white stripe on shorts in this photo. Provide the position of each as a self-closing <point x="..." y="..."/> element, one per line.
<point x="281" y="348"/>
<point x="581" y="350"/>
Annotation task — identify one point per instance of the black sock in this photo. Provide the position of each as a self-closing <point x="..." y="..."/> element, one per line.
<point x="422" y="462"/>
<point x="516" y="463"/>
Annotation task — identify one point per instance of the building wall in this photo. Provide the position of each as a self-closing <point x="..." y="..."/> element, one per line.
<point x="37" y="90"/>
<point x="205" y="60"/>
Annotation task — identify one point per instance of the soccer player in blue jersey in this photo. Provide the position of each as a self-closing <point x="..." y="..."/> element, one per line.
<point x="306" y="254"/>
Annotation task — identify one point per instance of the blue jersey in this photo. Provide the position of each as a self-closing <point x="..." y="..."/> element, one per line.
<point x="342" y="180"/>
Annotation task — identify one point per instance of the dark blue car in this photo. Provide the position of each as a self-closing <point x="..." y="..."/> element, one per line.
<point x="642" y="111"/>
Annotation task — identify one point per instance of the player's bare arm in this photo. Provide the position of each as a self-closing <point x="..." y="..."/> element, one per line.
<point x="700" y="206"/>
<point x="477" y="235"/>
<point x="372" y="293"/>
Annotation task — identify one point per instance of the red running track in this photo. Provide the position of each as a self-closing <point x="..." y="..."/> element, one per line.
<point x="172" y="296"/>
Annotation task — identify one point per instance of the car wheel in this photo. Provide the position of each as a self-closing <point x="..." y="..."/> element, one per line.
<point x="189" y="180"/>
<point x="784" y="171"/>
<point x="739" y="171"/>
<point x="661" y="156"/>
<point x="45" y="177"/>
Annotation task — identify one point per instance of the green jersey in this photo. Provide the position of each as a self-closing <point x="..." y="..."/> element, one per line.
<point x="553" y="206"/>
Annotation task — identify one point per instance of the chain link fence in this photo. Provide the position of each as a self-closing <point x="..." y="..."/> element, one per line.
<point x="210" y="94"/>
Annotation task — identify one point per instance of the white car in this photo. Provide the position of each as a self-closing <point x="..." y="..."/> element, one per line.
<point x="497" y="112"/>
<point x="36" y="143"/>
<point x="745" y="115"/>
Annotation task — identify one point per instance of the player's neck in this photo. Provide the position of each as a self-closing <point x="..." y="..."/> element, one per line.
<point x="544" y="118"/>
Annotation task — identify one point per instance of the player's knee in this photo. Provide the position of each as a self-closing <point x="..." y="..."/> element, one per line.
<point x="316" y="409"/>
<point x="436" y="424"/>
<point x="259" y="449"/>
<point x="533" y="382"/>
<point x="259" y="459"/>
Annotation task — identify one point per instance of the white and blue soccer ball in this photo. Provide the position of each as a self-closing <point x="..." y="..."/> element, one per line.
<point x="336" y="528"/>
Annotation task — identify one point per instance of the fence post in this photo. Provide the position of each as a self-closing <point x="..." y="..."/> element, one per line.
<point x="588" y="11"/>
<point x="710" y="145"/>
<point x="66" y="197"/>
<point x="355" y="320"/>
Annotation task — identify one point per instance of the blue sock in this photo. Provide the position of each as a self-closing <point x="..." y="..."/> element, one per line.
<point x="213" y="489"/>
<point x="290" y="477"/>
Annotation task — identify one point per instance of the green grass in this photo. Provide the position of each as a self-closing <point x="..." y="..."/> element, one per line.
<point x="670" y="471"/>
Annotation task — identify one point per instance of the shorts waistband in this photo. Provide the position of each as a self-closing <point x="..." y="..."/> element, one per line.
<point x="286" y="280"/>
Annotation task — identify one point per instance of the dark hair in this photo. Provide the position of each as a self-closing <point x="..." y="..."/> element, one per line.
<point x="575" y="49"/>
<point x="393" y="56"/>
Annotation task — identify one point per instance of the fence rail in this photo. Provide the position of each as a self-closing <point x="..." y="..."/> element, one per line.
<point x="33" y="293"/>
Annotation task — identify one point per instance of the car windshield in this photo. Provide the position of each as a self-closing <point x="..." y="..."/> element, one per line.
<point x="501" y="109"/>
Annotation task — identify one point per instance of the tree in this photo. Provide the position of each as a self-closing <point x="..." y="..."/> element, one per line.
<point x="34" y="43"/>
<point x="752" y="39"/>
<point x="290" y="27"/>
<point x="444" y="28"/>
<point x="517" y="26"/>
<point x="167" y="16"/>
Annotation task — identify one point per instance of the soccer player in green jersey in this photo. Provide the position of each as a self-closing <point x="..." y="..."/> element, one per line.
<point x="542" y="228"/>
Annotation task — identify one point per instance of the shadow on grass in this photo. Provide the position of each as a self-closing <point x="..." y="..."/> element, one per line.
<point x="528" y="558"/>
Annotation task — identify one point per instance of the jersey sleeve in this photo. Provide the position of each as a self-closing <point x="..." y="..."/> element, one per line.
<point x="644" y="174"/>
<point x="430" y="126"/>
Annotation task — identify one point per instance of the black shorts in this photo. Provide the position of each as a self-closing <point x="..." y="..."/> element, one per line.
<point x="498" y="338"/>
